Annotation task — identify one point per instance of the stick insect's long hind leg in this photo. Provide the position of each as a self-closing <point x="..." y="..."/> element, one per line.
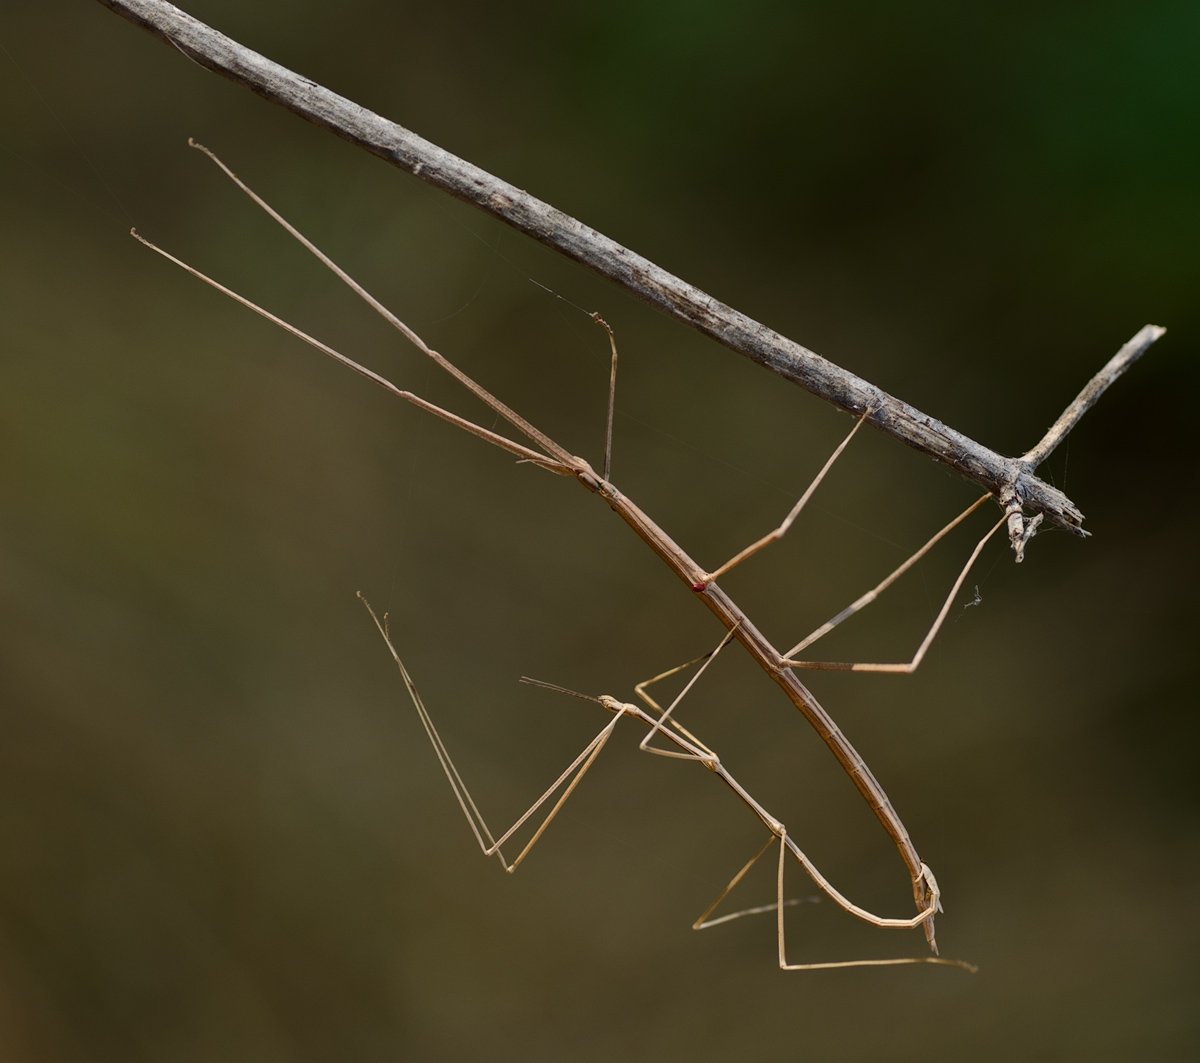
<point x="778" y="533"/>
<point x="907" y="667"/>
<point x="567" y="781"/>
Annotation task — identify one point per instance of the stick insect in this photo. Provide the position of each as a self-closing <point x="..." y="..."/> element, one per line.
<point x="674" y="740"/>
<point x="680" y="744"/>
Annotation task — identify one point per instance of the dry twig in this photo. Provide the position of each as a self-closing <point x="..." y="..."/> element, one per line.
<point x="1011" y="481"/>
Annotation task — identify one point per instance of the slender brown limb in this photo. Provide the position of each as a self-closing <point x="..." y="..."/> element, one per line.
<point x="784" y="965"/>
<point x="665" y="717"/>
<point x="473" y="816"/>
<point x="911" y="665"/>
<point x="642" y="692"/>
<point x="612" y="395"/>
<point x="778" y="533"/>
<point x="1005" y="478"/>
<point x="567" y="781"/>
<point x="524" y="453"/>
<point x="866" y="599"/>
<point x="510" y="415"/>
<point x="703" y="922"/>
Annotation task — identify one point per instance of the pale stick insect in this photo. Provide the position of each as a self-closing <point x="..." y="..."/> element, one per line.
<point x="543" y="452"/>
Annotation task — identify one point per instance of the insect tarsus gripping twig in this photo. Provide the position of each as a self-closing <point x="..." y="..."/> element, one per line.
<point x="674" y="740"/>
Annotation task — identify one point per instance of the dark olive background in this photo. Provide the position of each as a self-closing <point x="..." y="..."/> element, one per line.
<point x="222" y="834"/>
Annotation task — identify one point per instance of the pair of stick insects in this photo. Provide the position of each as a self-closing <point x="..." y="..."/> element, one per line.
<point x="663" y="734"/>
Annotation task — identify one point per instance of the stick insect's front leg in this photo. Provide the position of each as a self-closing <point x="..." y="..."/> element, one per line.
<point x="566" y="782"/>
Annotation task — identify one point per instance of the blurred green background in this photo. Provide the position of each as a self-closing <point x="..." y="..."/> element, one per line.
<point x="222" y="833"/>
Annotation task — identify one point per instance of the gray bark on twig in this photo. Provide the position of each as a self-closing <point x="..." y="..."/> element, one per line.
<point x="1011" y="480"/>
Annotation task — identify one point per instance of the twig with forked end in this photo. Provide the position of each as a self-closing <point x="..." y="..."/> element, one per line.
<point x="1010" y="480"/>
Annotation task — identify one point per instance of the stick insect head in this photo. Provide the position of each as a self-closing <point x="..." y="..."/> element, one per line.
<point x="606" y="701"/>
